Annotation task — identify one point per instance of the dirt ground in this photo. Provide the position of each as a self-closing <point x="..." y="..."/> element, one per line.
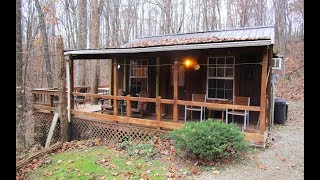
<point x="283" y="160"/>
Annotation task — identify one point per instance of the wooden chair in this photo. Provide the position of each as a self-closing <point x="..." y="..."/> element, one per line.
<point x="80" y="99"/>
<point x="142" y="107"/>
<point x="109" y="108"/>
<point x="195" y="98"/>
<point x="238" y="100"/>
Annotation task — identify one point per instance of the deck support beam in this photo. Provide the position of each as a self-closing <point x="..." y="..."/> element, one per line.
<point x="262" y="124"/>
<point x="175" y="90"/>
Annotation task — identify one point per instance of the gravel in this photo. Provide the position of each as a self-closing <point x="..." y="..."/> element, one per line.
<point x="284" y="159"/>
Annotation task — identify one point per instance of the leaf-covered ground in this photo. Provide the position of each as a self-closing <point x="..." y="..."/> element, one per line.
<point x="98" y="162"/>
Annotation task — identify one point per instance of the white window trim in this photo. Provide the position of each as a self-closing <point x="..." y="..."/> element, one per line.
<point x="137" y="77"/>
<point x="227" y="78"/>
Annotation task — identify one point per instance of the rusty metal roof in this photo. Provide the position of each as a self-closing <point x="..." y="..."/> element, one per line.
<point x="216" y="36"/>
<point x="242" y="37"/>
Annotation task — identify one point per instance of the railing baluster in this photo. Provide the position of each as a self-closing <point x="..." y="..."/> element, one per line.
<point x="128" y="106"/>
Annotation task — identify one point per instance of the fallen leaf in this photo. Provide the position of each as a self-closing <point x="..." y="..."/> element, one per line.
<point x="129" y="163"/>
<point x="195" y="171"/>
<point x="283" y="159"/>
<point x="59" y="161"/>
<point x="170" y="175"/>
<point x="215" y="172"/>
<point x="115" y="174"/>
<point x="138" y="166"/>
<point x="70" y="161"/>
<point x="261" y="166"/>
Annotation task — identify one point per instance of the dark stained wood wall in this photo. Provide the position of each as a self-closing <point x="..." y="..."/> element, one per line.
<point x="247" y="77"/>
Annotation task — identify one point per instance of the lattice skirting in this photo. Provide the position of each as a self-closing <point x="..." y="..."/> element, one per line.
<point x="85" y="129"/>
<point x="82" y="128"/>
<point x="42" y="126"/>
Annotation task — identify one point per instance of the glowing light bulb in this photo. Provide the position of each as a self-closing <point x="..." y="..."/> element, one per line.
<point x="188" y="62"/>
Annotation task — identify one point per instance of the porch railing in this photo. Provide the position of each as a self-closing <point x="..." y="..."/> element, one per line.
<point x="43" y="99"/>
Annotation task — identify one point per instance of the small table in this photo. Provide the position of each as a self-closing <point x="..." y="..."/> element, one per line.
<point x="214" y="109"/>
<point x="217" y="109"/>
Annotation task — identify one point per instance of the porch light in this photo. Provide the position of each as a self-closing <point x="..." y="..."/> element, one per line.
<point x="188" y="63"/>
<point x="118" y="66"/>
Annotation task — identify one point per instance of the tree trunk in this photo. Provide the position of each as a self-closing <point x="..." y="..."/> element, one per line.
<point x="44" y="36"/>
<point x="82" y="41"/>
<point x="62" y="92"/>
<point x="94" y="44"/>
<point x="20" y="105"/>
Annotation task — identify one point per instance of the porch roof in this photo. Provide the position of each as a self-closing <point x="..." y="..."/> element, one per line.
<point x="241" y="37"/>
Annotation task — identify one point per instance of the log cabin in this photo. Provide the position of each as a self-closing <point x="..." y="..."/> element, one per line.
<point x="219" y="65"/>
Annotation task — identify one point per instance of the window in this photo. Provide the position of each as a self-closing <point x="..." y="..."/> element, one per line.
<point x="181" y="77"/>
<point x="220" y="77"/>
<point x="138" y="75"/>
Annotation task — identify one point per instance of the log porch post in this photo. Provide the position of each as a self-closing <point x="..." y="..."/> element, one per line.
<point x="263" y="91"/>
<point x="115" y="109"/>
<point x="175" y="90"/>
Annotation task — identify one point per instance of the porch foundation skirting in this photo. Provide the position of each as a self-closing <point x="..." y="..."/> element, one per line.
<point x="86" y="128"/>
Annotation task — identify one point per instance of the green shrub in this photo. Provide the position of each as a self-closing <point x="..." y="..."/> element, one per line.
<point x="208" y="140"/>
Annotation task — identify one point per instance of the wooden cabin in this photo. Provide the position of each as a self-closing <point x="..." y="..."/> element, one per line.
<point x="220" y="65"/>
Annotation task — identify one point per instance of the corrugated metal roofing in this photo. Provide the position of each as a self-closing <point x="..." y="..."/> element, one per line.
<point x="228" y="35"/>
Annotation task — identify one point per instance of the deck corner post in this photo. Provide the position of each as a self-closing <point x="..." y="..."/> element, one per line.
<point x="64" y="71"/>
<point x="263" y="94"/>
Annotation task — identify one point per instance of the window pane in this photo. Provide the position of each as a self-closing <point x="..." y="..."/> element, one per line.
<point x="220" y="94"/>
<point x="211" y="93"/>
<point x="220" y="72"/>
<point x="221" y="61"/>
<point x="220" y="83"/>
<point x="212" y="83"/>
<point x="228" y="94"/>
<point x="212" y="72"/>
<point x="229" y="72"/>
<point x="229" y="61"/>
<point x="229" y="84"/>
<point x="133" y="72"/>
<point x="145" y="71"/>
<point x="212" y="61"/>
<point x="144" y="62"/>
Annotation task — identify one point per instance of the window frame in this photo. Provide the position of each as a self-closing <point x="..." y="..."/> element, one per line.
<point x="223" y="78"/>
<point x="139" y="77"/>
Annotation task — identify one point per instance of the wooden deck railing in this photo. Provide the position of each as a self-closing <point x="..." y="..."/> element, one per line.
<point x="43" y="99"/>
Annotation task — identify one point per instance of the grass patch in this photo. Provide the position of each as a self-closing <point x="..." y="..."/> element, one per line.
<point x="96" y="162"/>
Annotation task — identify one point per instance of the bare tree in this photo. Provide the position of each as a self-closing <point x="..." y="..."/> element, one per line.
<point x="20" y="105"/>
<point x="82" y="40"/>
<point x="94" y="44"/>
<point x="44" y="36"/>
<point x="280" y="24"/>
